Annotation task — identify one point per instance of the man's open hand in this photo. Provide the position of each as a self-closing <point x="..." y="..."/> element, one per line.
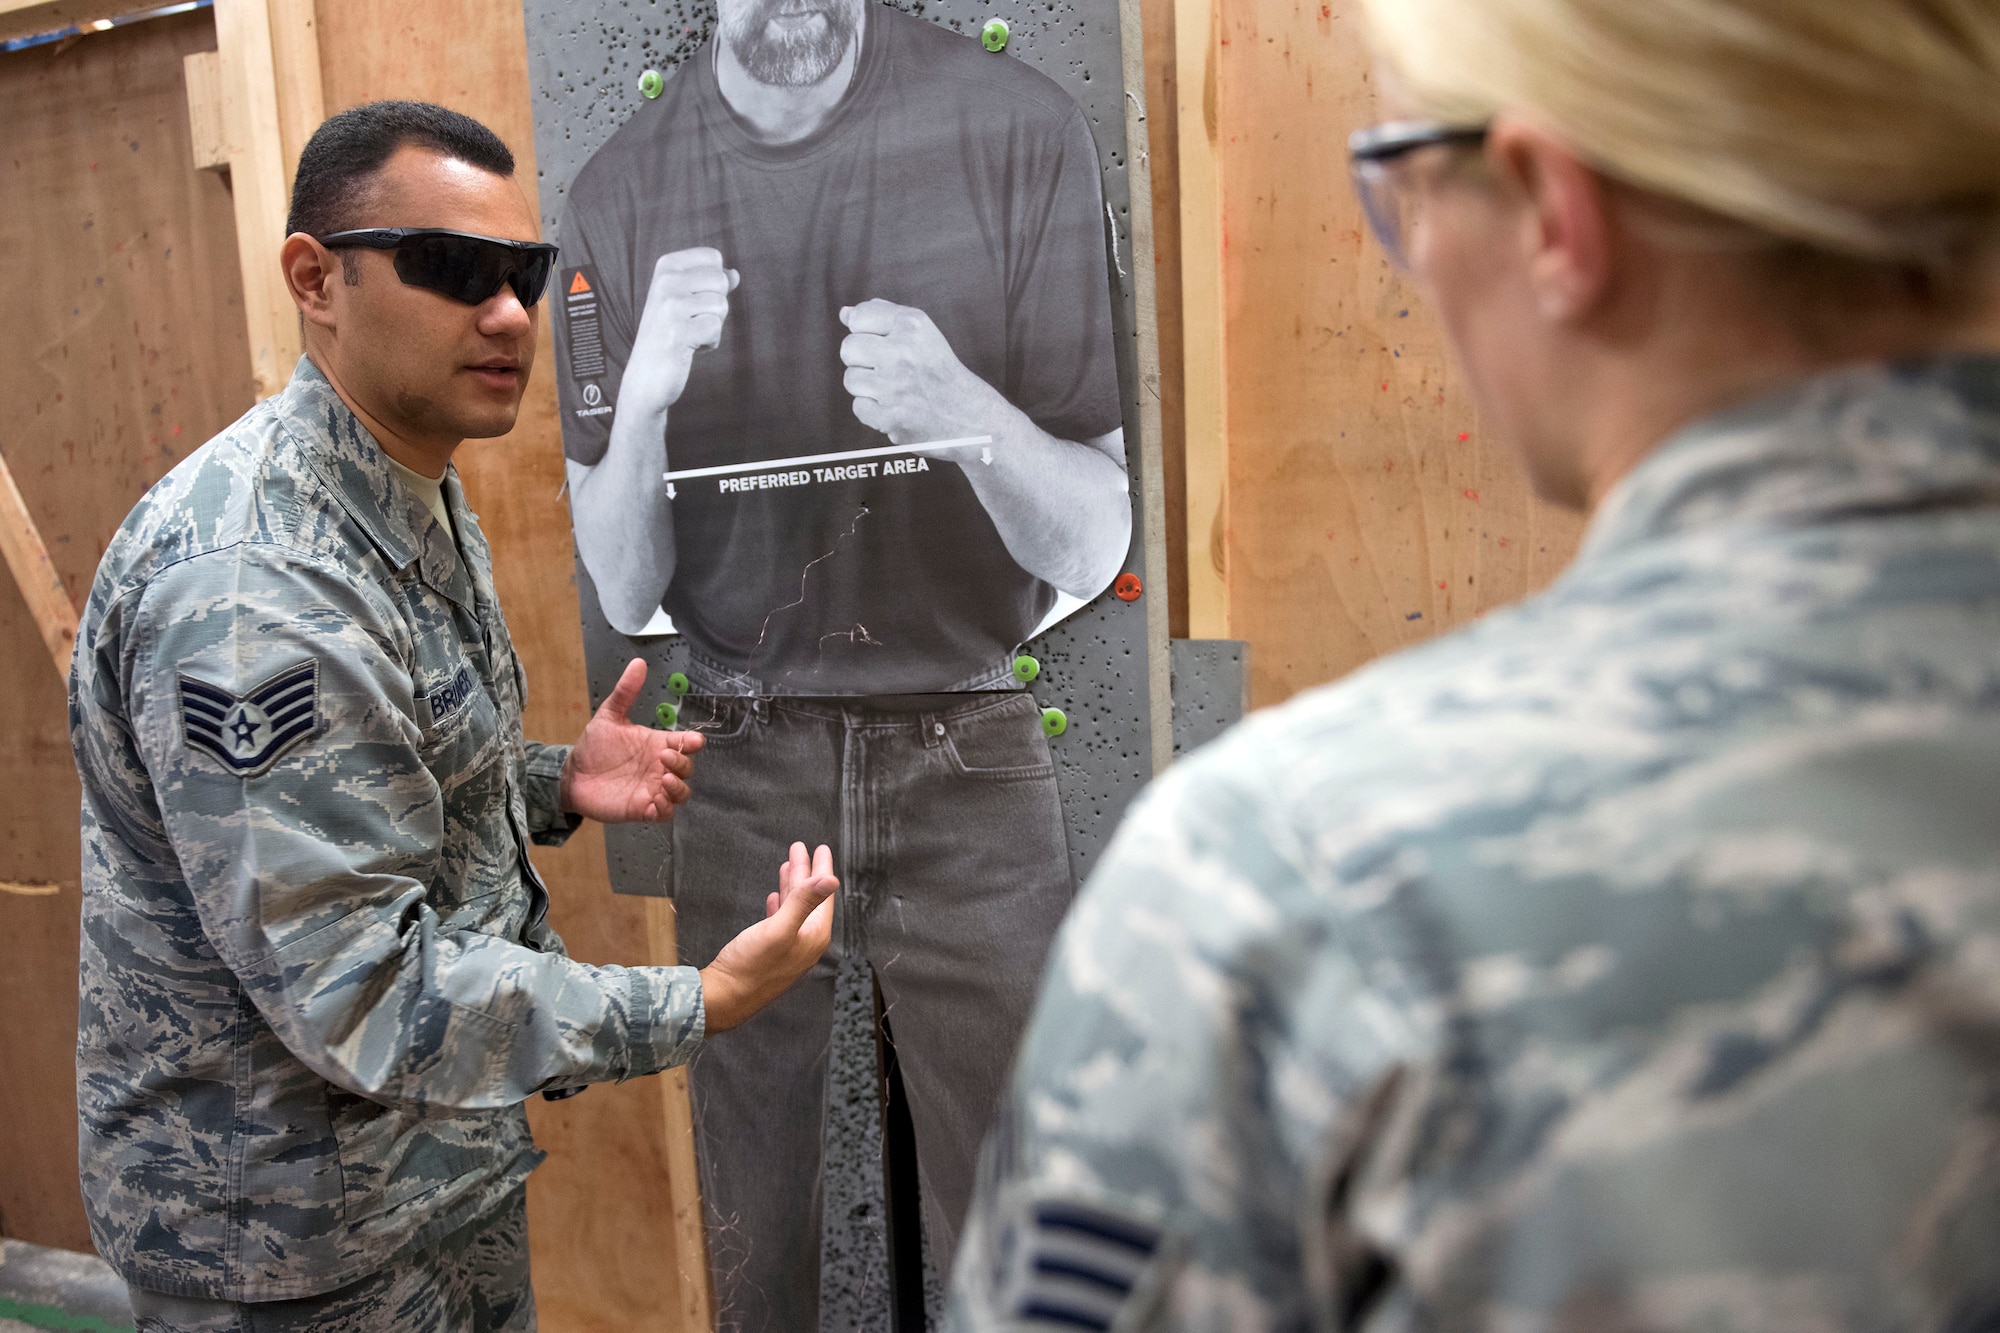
<point x="686" y="305"/>
<point x="762" y="962"/>
<point x="623" y="773"/>
<point x="906" y="380"/>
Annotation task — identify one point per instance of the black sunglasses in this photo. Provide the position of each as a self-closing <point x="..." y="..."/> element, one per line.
<point x="457" y="264"/>
<point x="1370" y="153"/>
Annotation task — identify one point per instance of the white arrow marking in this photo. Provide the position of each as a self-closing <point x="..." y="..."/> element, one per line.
<point x="775" y="464"/>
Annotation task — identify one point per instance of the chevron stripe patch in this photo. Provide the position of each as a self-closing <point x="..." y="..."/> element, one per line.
<point x="1079" y="1266"/>
<point x="248" y="733"/>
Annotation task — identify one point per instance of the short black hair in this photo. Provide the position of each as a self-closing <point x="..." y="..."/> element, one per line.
<point x="349" y="148"/>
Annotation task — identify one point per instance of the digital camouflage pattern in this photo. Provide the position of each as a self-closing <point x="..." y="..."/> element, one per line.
<point x="1627" y="961"/>
<point x="474" y="1279"/>
<point x="317" y="976"/>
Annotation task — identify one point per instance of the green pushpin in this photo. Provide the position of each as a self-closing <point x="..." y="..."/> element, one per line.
<point x="666" y="714"/>
<point x="994" y="35"/>
<point x="1026" y="668"/>
<point x="677" y="685"/>
<point x="1053" y="722"/>
<point x="652" y="83"/>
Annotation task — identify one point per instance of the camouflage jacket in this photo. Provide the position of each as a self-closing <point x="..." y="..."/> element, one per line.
<point x="1629" y="960"/>
<point x="317" y="981"/>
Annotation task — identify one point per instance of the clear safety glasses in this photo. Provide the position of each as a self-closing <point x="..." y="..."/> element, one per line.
<point x="1373" y="152"/>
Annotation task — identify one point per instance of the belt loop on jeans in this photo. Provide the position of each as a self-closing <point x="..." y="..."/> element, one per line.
<point x="760" y="708"/>
<point x="932" y="726"/>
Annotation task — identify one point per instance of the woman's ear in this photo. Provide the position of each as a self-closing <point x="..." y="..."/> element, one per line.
<point x="1567" y="224"/>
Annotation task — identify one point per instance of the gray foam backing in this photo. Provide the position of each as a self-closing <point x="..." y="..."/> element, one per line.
<point x="1211" y="689"/>
<point x="585" y="58"/>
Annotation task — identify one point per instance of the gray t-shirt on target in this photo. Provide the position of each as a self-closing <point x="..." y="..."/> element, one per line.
<point x="950" y="179"/>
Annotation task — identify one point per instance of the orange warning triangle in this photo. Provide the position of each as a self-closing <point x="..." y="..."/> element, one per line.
<point x="577" y="284"/>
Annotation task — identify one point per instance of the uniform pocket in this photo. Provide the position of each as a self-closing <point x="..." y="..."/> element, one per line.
<point x="375" y="1151"/>
<point x="392" y="1156"/>
<point x="468" y="742"/>
<point x="998" y="743"/>
<point x="466" y="754"/>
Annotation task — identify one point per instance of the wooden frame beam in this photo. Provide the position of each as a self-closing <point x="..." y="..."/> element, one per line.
<point x="1204" y="314"/>
<point x="208" y="136"/>
<point x="41" y="586"/>
<point x="251" y="122"/>
<point x="252" y="104"/>
<point x="294" y="28"/>
<point x="27" y="18"/>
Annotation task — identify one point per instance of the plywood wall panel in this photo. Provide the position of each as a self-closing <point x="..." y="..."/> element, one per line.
<point x="1366" y="509"/>
<point x="122" y="317"/>
<point x="39" y="1200"/>
<point x="122" y="334"/>
<point x="615" y="1246"/>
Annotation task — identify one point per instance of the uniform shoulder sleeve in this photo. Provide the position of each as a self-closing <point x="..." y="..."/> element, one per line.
<point x="1138" y="1141"/>
<point x="272" y="707"/>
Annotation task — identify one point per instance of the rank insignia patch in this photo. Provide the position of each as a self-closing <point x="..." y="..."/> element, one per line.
<point x="1078" y="1266"/>
<point x="248" y="733"/>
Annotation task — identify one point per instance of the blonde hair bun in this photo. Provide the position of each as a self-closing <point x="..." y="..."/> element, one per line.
<point x="1868" y="128"/>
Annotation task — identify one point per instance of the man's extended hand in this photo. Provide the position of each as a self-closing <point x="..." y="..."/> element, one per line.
<point x="623" y="773"/>
<point x="908" y="383"/>
<point x="762" y="962"/>
<point x="685" y="308"/>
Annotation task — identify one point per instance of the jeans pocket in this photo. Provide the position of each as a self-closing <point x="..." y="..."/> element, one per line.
<point x="1002" y="743"/>
<point x="721" y="721"/>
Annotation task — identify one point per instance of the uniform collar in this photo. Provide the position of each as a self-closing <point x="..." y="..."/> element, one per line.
<point x="348" y="458"/>
<point x="477" y="556"/>
<point x="1876" y="439"/>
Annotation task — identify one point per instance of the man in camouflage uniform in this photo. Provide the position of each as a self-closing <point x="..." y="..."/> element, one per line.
<point x="1630" y="960"/>
<point x="318" y="981"/>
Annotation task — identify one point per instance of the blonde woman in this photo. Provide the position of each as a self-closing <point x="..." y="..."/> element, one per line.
<point x="1630" y="961"/>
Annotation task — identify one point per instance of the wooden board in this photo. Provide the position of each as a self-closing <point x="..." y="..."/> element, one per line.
<point x="1366" y="509"/>
<point x="616" y="1235"/>
<point x="295" y="62"/>
<point x="1163" y="154"/>
<point x="251" y="123"/>
<point x="1206" y="299"/>
<point x="121" y="326"/>
<point x="35" y="575"/>
<point x="30" y="18"/>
